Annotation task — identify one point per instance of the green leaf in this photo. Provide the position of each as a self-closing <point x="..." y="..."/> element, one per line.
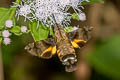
<point x="0" y="33"/>
<point x="106" y="58"/>
<point x="68" y="29"/>
<point x="39" y="32"/>
<point x="28" y="31"/>
<point x="0" y="39"/>
<point x="16" y="30"/>
<point x="4" y="15"/>
<point x="93" y="1"/>
<point x="75" y="16"/>
<point x="51" y="31"/>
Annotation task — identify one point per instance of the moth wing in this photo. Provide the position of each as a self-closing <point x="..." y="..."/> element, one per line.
<point x="80" y="36"/>
<point x="48" y="53"/>
<point x="45" y="50"/>
<point x="31" y="49"/>
<point x="41" y="49"/>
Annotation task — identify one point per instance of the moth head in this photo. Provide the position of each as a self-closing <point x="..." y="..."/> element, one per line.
<point x="70" y="62"/>
<point x="70" y="68"/>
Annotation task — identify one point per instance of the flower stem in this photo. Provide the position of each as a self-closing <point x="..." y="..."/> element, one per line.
<point x="1" y="66"/>
<point x="13" y="9"/>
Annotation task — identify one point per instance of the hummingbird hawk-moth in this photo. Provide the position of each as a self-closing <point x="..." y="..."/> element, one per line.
<point x="63" y="44"/>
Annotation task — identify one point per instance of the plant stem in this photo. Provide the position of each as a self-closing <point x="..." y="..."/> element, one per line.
<point x="13" y="10"/>
<point x="1" y="66"/>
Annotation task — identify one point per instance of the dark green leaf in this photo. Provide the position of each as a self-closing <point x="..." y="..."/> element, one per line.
<point x="51" y="31"/>
<point x="106" y="57"/>
<point x="4" y="15"/>
<point x="92" y="1"/>
<point x="0" y="39"/>
<point x="16" y="30"/>
<point x="68" y="29"/>
<point x="39" y="32"/>
<point x="0" y="33"/>
<point x="75" y="16"/>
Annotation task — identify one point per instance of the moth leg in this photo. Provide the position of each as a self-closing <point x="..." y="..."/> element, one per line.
<point x="54" y="50"/>
<point x="75" y="45"/>
<point x="79" y="41"/>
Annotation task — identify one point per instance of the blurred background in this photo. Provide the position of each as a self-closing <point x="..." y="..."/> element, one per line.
<point x="98" y="60"/>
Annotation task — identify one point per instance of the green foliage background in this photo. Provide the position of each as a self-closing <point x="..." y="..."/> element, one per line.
<point x="104" y="58"/>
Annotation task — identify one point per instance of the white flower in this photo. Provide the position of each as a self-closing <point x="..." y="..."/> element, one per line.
<point x="61" y="17"/>
<point x="75" y="28"/>
<point x="53" y="11"/>
<point x="64" y="2"/>
<point x="9" y="23"/>
<point x="82" y="16"/>
<point x="23" y="29"/>
<point x="5" y="33"/>
<point x="24" y="10"/>
<point x="6" y="41"/>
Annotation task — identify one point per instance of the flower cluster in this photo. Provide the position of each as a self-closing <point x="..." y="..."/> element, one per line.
<point x="49" y="12"/>
<point x="6" y="33"/>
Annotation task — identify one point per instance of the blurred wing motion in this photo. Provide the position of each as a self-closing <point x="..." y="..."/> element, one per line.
<point x="63" y="44"/>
